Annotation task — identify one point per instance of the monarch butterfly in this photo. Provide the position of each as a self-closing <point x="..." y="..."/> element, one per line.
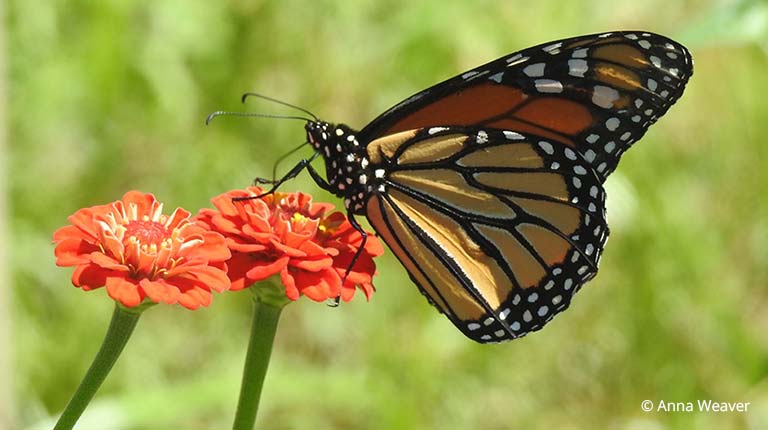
<point x="488" y="187"/>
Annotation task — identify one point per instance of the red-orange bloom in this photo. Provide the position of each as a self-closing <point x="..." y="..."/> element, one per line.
<point x="134" y="250"/>
<point x="289" y="235"/>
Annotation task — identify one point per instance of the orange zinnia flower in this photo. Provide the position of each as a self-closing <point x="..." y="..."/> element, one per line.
<point x="134" y="250"/>
<point x="289" y="235"/>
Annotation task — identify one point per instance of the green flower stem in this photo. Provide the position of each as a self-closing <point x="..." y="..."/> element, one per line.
<point x="268" y="302"/>
<point x="120" y="328"/>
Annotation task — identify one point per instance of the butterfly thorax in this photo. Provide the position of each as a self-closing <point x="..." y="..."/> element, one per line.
<point x="346" y="162"/>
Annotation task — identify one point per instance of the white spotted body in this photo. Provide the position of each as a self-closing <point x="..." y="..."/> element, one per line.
<point x="347" y="167"/>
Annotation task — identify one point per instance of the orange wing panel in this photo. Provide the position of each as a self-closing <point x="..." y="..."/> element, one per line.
<point x="464" y="108"/>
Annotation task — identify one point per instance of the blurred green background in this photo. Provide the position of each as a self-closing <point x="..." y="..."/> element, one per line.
<point x="107" y="96"/>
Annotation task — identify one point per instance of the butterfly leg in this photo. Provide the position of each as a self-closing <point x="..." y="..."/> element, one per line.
<point x="358" y="252"/>
<point x="294" y="172"/>
<point x="319" y="180"/>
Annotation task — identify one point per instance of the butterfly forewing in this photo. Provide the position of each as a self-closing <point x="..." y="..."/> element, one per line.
<point x="597" y="94"/>
<point x="498" y="231"/>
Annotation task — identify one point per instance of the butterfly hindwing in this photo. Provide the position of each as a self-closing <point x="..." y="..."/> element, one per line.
<point x="497" y="228"/>
<point x="597" y="93"/>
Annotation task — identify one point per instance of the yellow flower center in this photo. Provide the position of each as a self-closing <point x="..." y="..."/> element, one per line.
<point x="297" y="217"/>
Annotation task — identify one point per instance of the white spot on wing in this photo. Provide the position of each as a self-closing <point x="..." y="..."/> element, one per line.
<point x="548" y="86"/>
<point x="552" y="47"/>
<point x="511" y="135"/>
<point x="534" y="70"/>
<point x="547" y="147"/>
<point x="482" y="137"/>
<point x="542" y="311"/>
<point x="580" y="53"/>
<point x="604" y="96"/>
<point x="435" y="130"/>
<point x="577" y="67"/>
<point x="516" y="59"/>
<point x="589" y="155"/>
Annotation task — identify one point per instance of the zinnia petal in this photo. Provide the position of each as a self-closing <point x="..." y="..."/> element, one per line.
<point x="83" y="221"/>
<point x="160" y="291"/>
<point x="195" y="297"/>
<point x="107" y="262"/>
<point x="214" y="247"/>
<point x="91" y="276"/>
<point x="214" y="278"/>
<point x="318" y="286"/>
<point x="73" y="251"/>
<point x="124" y="291"/>
<point x="263" y="269"/>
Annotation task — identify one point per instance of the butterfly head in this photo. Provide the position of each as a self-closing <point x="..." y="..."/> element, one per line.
<point x="318" y="133"/>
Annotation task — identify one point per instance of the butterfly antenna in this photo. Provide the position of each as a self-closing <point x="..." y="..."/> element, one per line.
<point x="210" y="117"/>
<point x="261" y="96"/>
